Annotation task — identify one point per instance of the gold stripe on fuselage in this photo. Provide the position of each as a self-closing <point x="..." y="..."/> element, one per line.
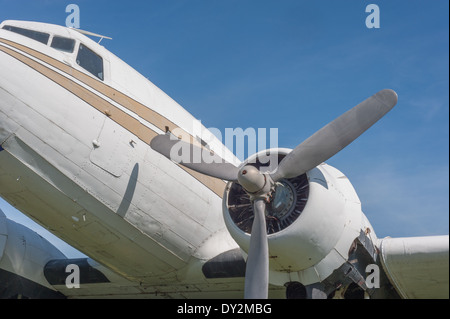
<point x="125" y="120"/>
<point x="138" y="108"/>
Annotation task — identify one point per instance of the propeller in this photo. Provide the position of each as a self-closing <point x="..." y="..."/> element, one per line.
<point x="257" y="268"/>
<point x="336" y="135"/>
<point x="194" y="157"/>
<point x="261" y="187"/>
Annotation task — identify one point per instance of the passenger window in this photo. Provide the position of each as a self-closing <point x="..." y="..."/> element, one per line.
<point x="35" y="35"/>
<point x="90" y="61"/>
<point x="63" y="44"/>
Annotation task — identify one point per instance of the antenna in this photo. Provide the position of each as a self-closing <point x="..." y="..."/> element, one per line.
<point x="92" y="34"/>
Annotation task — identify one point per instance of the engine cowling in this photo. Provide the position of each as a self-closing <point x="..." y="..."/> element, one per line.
<point x="23" y="255"/>
<point x="311" y="219"/>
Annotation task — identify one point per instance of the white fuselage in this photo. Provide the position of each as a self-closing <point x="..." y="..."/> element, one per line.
<point x="75" y="157"/>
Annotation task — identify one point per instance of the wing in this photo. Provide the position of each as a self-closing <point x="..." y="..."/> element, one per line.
<point x="418" y="267"/>
<point x="31" y="267"/>
<point x="224" y="279"/>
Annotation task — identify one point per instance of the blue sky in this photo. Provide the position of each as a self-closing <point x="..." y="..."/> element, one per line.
<point x="297" y="65"/>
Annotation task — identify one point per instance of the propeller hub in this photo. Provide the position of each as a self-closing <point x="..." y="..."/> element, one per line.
<point x="251" y="179"/>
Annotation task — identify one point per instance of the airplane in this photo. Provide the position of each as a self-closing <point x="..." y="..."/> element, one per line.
<point x="101" y="157"/>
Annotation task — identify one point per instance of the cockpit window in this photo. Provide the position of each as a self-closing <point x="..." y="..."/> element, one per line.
<point x="63" y="44"/>
<point x="90" y="61"/>
<point x="35" y="35"/>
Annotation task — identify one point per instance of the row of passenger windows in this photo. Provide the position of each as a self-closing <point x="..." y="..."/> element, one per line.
<point x="86" y="58"/>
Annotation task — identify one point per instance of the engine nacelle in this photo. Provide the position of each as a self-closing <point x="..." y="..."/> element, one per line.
<point x="23" y="255"/>
<point x="312" y="220"/>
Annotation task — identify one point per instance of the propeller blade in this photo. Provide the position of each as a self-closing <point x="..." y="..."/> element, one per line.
<point x="199" y="159"/>
<point x="336" y="135"/>
<point x="257" y="268"/>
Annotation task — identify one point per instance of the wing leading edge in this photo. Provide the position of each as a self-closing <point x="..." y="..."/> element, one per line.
<point x="418" y="267"/>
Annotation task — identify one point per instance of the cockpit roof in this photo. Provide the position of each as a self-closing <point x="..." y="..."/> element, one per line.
<point x="89" y="55"/>
<point x="57" y="30"/>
